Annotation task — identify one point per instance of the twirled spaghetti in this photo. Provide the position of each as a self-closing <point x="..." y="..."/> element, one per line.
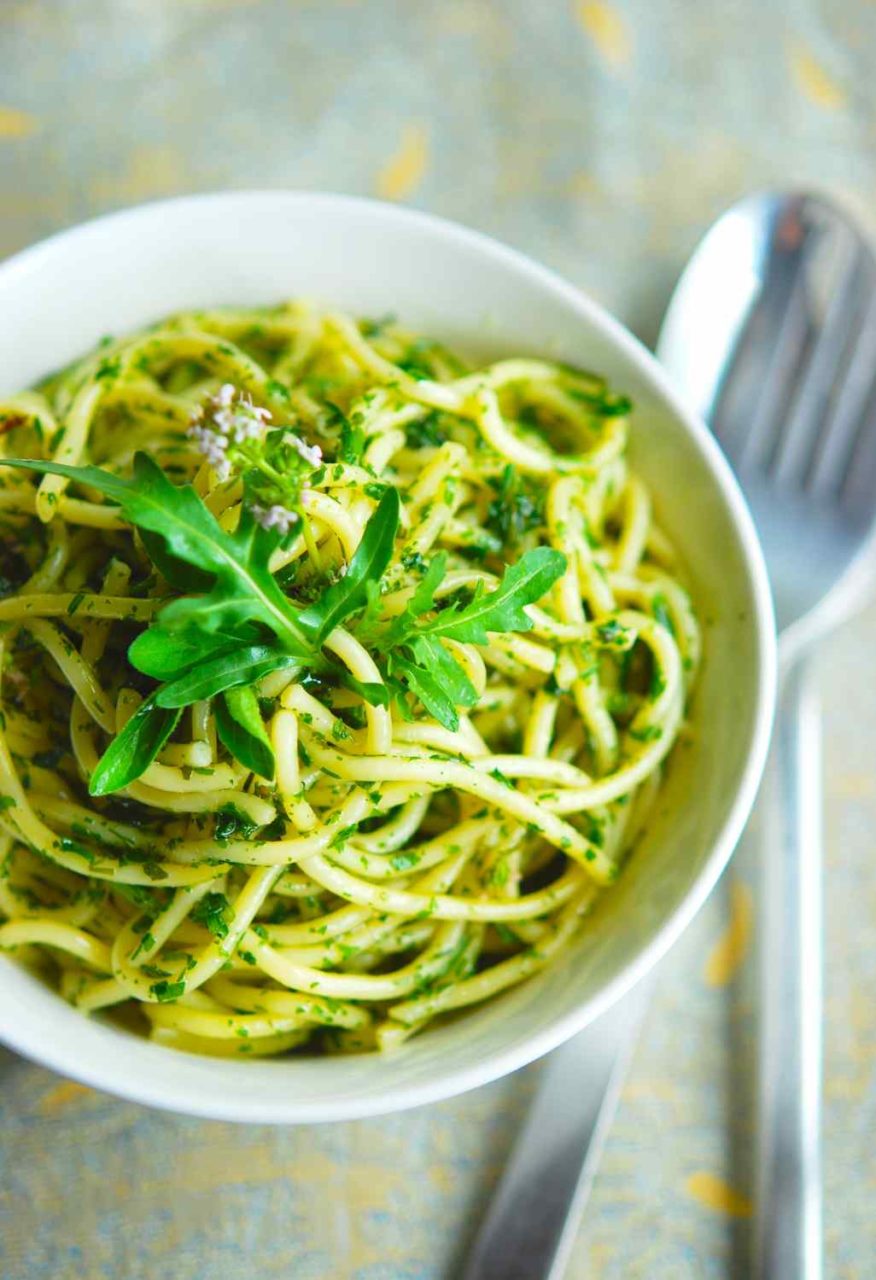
<point x="384" y="868"/>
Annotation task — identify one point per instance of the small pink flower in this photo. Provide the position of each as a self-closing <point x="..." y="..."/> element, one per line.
<point x="274" y="517"/>
<point x="228" y="417"/>
<point x="309" y="452"/>
<point x="213" y="447"/>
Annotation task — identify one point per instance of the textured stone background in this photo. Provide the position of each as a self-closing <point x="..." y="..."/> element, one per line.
<point x="601" y="137"/>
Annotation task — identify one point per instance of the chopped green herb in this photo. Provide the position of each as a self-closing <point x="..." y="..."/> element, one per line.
<point x="212" y="912"/>
<point x="165" y="991"/>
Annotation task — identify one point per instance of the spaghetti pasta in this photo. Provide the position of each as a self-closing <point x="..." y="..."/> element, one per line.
<point x="243" y="849"/>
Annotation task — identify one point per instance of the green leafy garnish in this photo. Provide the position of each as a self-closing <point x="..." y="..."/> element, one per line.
<point x="352" y="442"/>
<point x="661" y="611"/>
<point x="516" y="508"/>
<point x="425" y="432"/>
<point x="212" y="912"/>
<point x="503" y="609"/>
<point x="233" y="625"/>
<point x="423" y="598"/>
<point x="165" y="654"/>
<point x="243" y="589"/>
<point x="614" y="635"/>
<point x="225" y="671"/>
<point x="132" y="751"/>
<point x="241" y="730"/>
<point x="436" y="678"/>
<point x="350" y="593"/>
<point x="417" y="655"/>
<point x="165" y="991"/>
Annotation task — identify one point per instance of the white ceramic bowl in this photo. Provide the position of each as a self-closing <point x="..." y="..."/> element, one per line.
<point x="123" y="271"/>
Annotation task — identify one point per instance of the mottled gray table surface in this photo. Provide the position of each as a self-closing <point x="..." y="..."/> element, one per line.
<point x="601" y="137"/>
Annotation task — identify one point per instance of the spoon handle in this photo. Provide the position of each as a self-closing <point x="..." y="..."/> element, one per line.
<point x="788" y="1237"/>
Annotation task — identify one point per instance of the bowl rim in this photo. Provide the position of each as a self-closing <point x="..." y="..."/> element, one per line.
<point x="161" y="1090"/>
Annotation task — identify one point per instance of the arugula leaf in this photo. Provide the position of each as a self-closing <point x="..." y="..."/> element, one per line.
<point x="243" y="587"/>
<point x="421" y="601"/>
<point x="179" y="574"/>
<point x="378" y="695"/>
<point x="166" y="654"/>
<point x="243" y="666"/>
<point x="214" y="643"/>
<point x="350" y="593"/>
<point x="244" y="590"/>
<point x="435" y="677"/>
<point x="399" y="693"/>
<point x="429" y="652"/>
<point x="522" y="583"/>
<point x="427" y="686"/>
<point x="423" y="598"/>
<point x="416" y="654"/>
<point x="132" y="751"/>
<point x="371" y="609"/>
<point x="241" y="729"/>
<point x="104" y="481"/>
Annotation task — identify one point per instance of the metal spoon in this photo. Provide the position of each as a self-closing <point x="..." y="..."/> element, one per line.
<point x="771" y="335"/>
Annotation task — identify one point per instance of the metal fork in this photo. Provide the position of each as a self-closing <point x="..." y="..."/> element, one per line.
<point x="771" y="335"/>
<point x="793" y="402"/>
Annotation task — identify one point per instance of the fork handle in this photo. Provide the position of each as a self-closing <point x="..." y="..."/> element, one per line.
<point x="530" y="1226"/>
<point x="788" y="1235"/>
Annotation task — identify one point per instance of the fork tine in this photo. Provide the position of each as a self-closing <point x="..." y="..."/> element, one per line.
<point x="859" y="486"/>
<point x="786" y="359"/>
<point x="790" y="287"/>
<point x="837" y="291"/>
<point x="843" y="425"/>
<point x="768" y="350"/>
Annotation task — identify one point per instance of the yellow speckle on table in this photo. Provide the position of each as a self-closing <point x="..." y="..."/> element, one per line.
<point x="714" y="1193"/>
<point x="731" y="948"/>
<point x="607" y="29"/>
<point x="63" y="1094"/>
<point x="442" y="1178"/>
<point x="403" y="172"/>
<point x="16" y="124"/>
<point x="854" y="786"/>
<point x="583" y="183"/>
<point x="814" y="82"/>
<point x="600" y="1255"/>
<point x="149" y="171"/>
<point x="652" y="1087"/>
